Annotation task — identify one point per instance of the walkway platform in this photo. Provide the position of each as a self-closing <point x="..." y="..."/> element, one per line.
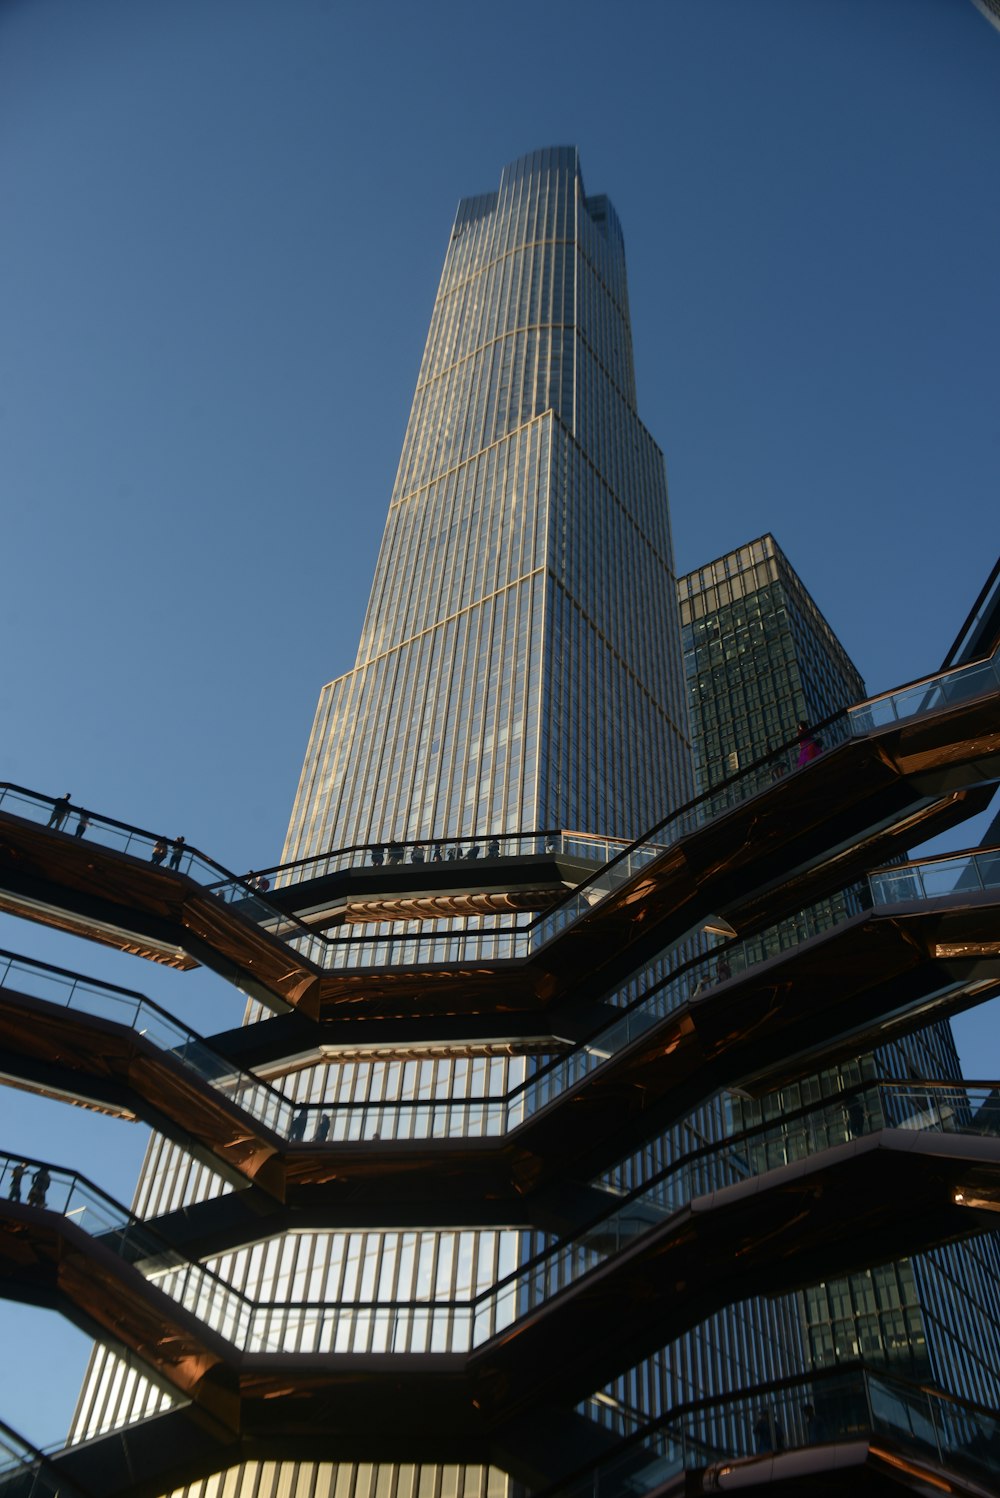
<point x="881" y="1197"/>
<point x="760" y="859"/>
<point x="846" y="990"/>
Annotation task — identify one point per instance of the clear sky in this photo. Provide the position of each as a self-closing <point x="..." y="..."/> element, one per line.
<point x="223" y="225"/>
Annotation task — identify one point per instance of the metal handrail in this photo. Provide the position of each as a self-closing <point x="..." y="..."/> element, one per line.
<point x="288" y="1116"/>
<point x="289" y="927"/>
<point x="822" y="1407"/>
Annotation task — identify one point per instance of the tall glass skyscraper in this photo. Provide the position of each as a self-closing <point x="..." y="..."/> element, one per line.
<point x="519" y="668"/>
<point x="519" y="665"/>
<point x="519" y="660"/>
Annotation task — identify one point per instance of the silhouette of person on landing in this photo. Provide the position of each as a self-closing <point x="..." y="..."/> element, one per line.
<point x="59" y="812"/>
<point x="40" y="1183"/>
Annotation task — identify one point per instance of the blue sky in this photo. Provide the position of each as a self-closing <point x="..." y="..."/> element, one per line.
<point x="223" y="224"/>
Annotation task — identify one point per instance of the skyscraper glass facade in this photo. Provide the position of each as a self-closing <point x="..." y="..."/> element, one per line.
<point x="518" y="661"/>
<point x="518" y="668"/>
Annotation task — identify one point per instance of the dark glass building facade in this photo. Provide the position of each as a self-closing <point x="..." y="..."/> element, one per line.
<point x="759" y="658"/>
